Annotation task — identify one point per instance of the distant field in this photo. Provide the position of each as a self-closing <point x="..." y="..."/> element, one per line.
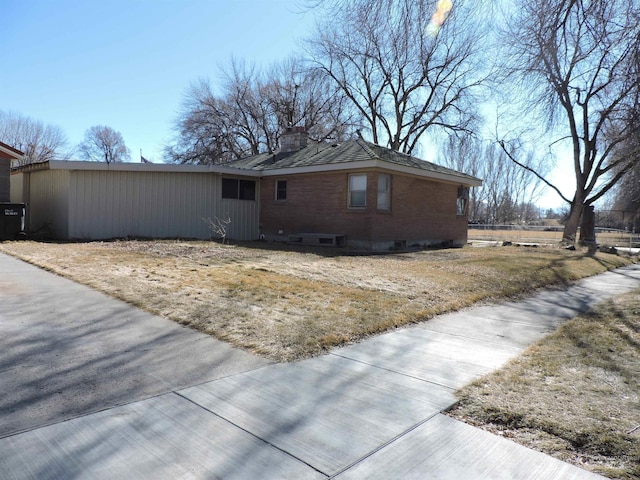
<point x="539" y="235"/>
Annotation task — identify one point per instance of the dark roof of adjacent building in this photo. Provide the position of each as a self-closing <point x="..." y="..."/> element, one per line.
<point x="10" y="152"/>
<point x="355" y="154"/>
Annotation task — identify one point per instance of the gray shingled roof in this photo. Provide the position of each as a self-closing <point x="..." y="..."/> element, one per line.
<point x="346" y="152"/>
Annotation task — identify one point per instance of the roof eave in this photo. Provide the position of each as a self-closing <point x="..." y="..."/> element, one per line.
<point x="228" y="170"/>
<point x="381" y="164"/>
<point x="148" y="167"/>
<point x="10" y="152"/>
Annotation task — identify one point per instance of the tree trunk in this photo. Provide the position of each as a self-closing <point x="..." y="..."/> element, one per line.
<point x="572" y="223"/>
<point x="588" y="228"/>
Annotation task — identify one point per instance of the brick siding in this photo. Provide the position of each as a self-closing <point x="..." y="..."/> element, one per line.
<point x="423" y="212"/>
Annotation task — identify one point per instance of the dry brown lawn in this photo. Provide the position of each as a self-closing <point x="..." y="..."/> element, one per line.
<point x="542" y="236"/>
<point x="289" y="304"/>
<point x="575" y="394"/>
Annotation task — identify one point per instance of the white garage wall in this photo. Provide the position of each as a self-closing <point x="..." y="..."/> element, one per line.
<point x="114" y="204"/>
<point x="48" y="199"/>
<point x="17" y="188"/>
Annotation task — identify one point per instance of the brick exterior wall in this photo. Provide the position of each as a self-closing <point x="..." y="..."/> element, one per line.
<point x="423" y="212"/>
<point x="5" y="179"/>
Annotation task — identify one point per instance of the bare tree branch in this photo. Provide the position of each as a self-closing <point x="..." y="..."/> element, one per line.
<point x="104" y="144"/>
<point x="532" y="170"/>
<point x="402" y="79"/>
<point x="579" y="60"/>
<point x="38" y="142"/>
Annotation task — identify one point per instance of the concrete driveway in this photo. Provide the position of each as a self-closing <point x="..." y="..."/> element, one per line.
<point x="67" y="350"/>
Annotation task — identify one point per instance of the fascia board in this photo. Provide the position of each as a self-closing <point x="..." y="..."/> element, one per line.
<point x="148" y="167"/>
<point x="225" y="170"/>
<point x="367" y="164"/>
<point x="11" y="153"/>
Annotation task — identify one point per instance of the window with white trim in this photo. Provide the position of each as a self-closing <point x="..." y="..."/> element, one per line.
<point x="281" y="190"/>
<point x="462" y="201"/>
<point x="384" y="191"/>
<point x="357" y="191"/>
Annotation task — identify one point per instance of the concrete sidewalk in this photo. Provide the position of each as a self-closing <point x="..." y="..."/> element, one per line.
<point x="366" y="411"/>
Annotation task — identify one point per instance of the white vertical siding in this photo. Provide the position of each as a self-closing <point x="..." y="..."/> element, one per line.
<point x="115" y="204"/>
<point x="17" y="188"/>
<point x="48" y="192"/>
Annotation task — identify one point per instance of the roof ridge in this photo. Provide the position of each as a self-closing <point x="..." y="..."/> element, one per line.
<point x="365" y="146"/>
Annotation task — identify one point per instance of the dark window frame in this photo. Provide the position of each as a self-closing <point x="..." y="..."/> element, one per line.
<point x="238" y="189"/>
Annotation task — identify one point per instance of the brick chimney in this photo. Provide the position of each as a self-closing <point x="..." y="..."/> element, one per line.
<point x="293" y="139"/>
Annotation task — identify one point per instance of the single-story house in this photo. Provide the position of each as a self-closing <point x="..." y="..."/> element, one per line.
<point x="354" y="193"/>
<point x="360" y="194"/>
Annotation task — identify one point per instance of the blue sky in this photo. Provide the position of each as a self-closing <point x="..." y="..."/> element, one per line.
<point x="128" y="63"/>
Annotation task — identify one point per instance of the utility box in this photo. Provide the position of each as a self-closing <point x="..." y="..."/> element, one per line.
<point x="11" y="220"/>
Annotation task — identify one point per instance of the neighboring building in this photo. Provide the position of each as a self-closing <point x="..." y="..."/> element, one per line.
<point x="359" y="194"/>
<point x="7" y="154"/>
<point x="354" y="193"/>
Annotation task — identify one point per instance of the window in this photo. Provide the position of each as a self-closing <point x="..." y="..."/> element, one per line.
<point x="384" y="192"/>
<point x="462" y="206"/>
<point x="462" y="201"/>
<point x="229" y="188"/>
<point x="357" y="191"/>
<point x="238" y="189"/>
<point x="281" y="190"/>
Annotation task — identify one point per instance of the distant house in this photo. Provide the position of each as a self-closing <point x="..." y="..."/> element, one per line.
<point x="359" y="194"/>
<point x="354" y="194"/>
<point x="7" y="155"/>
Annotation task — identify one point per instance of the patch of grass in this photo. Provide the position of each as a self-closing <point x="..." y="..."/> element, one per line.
<point x="575" y="394"/>
<point x="290" y="304"/>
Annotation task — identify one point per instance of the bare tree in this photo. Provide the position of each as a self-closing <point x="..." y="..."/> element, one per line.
<point x="303" y="96"/>
<point x="626" y="205"/>
<point x="626" y="200"/>
<point x="253" y="109"/>
<point x="402" y="77"/>
<point x="579" y="62"/>
<point x="464" y="153"/>
<point x="218" y="227"/>
<point x="507" y="192"/>
<point x="38" y="142"/>
<point x="104" y="144"/>
<point x="204" y="130"/>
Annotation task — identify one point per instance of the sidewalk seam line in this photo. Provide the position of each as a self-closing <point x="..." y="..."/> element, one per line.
<point x="394" y="371"/>
<point x="266" y="442"/>
<point x="384" y="445"/>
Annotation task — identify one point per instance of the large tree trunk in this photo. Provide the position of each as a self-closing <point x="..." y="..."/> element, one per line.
<point x="573" y="222"/>
<point x="588" y="227"/>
